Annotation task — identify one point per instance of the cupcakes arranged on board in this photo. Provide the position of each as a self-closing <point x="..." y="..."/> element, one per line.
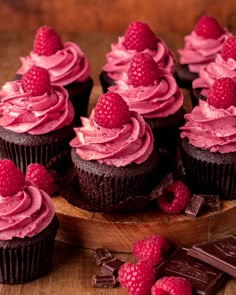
<point x="66" y="64"/>
<point x="36" y="120"/>
<point x="113" y="156"/>
<point x="28" y="227"/>
<point x="200" y="48"/>
<point x="152" y="92"/>
<point x="137" y="38"/>
<point x="224" y="65"/>
<point x="208" y="142"/>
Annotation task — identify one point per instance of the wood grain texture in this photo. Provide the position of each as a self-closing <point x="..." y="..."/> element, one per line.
<point x="113" y="15"/>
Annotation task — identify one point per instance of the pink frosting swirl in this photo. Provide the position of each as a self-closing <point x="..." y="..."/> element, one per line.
<point x="198" y="51"/>
<point x="133" y="142"/>
<point x="21" y="112"/>
<point x="210" y="128"/>
<point x="26" y="213"/>
<point x="66" y="66"/>
<point x="118" y="59"/>
<point x="215" y="70"/>
<point x="159" y="100"/>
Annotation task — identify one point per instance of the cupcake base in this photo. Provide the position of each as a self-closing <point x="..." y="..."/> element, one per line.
<point x="25" y="148"/>
<point x="106" y="81"/>
<point x="195" y="95"/>
<point x="183" y="76"/>
<point x="209" y="173"/>
<point x="24" y="260"/>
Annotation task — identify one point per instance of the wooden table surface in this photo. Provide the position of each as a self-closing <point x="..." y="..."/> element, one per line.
<point x="73" y="266"/>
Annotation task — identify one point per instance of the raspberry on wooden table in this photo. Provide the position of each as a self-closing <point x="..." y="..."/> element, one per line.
<point x="139" y="36"/>
<point x="172" y="286"/>
<point x="208" y="27"/>
<point x="47" y="41"/>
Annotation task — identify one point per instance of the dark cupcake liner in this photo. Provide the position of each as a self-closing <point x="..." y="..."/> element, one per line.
<point x="79" y="94"/>
<point x="105" y="81"/>
<point x="24" y="260"/>
<point x="195" y="95"/>
<point x="209" y="173"/>
<point x="183" y="76"/>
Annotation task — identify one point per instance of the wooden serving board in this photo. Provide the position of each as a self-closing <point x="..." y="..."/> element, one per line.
<point x="118" y="232"/>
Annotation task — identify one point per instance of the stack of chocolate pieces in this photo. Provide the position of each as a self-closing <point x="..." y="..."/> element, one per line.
<point x="108" y="266"/>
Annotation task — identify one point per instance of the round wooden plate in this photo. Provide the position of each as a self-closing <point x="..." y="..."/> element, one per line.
<point x="118" y="232"/>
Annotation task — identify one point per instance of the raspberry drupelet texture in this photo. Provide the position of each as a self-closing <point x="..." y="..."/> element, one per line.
<point x="208" y="27"/>
<point x="172" y="286"/>
<point x="229" y="49"/>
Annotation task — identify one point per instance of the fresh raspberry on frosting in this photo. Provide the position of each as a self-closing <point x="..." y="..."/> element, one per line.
<point x="222" y="94"/>
<point x="175" y="198"/>
<point x="139" y="37"/>
<point x="172" y="286"/>
<point x="41" y="177"/>
<point x="229" y="49"/>
<point x="137" y="278"/>
<point x="153" y="249"/>
<point x="208" y="28"/>
<point x="111" y="111"/>
<point x="12" y="179"/>
<point x="36" y="81"/>
<point x="47" y="41"/>
<point x="143" y="70"/>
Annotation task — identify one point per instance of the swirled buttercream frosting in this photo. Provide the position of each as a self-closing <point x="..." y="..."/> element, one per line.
<point x="20" y="112"/>
<point x="131" y="143"/>
<point x="118" y="59"/>
<point x="199" y="51"/>
<point x="66" y="66"/>
<point x="211" y="129"/>
<point x="161" y="99"/>
<point x="26" y="213"/>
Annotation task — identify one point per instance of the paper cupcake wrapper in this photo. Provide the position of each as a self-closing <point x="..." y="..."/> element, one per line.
<point x="210" y="178"/>
<point x="25" y="260"/>
<point x="22" y="156"/>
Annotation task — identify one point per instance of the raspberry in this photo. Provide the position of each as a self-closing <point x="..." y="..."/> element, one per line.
<point x="172" y="286"/>
<point x="175" y="198"/>
<point x="143" y="70"/>
<point x="137" y="278"/>
<point x="229" y="49"/>
<point x="36" y="81"/>
<point x="12" y="179"/>
<point x="222" y="94"/>
<point x="111" y="111"/>
<point x="208" y="27"/>
<point x="41" y="177"/>
<point x="153" y="249"/>
<point x="47" y="41"/>
<point x="139" y="37"/>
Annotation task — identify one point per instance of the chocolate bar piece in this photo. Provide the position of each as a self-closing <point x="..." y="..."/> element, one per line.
<point x="113" y="266"/>
<point x="103" y="281"/>
<point x="102" y="255"/>
<point x="205" y="279"/>
<point x="195" y="205"/>
<point x="159" y="189"/>
<point x="219" y="253"/>
<point x="212" y="202"/>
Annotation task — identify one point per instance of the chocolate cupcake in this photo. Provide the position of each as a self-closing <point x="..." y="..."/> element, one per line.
<point x="113" y="157"/>
<point x="28" y="227"/>
<point x="66" y="64"/>
<point x="153" y="93"/>
<point x="36" y="119"/>
<point x="137" y="38"/>
<point x="200" y="48"/>
<point x="208" y="142"/>
<point x="224" y="65"/>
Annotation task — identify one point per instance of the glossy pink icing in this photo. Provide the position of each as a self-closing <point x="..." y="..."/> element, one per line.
<point x="131" y="143"/>
<point x="118" y="59"/>
<point x="66" y="66"/>
<point x="21" y="112"/>
<point x="215" y="70"/>
<point x="198" y="51"/>
<point x="210" y="128"/>
<point x="26" y="213"/>
<point x="159" y="100"/>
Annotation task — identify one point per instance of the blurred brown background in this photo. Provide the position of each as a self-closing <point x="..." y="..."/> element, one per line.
<point x="113" y="15"/>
